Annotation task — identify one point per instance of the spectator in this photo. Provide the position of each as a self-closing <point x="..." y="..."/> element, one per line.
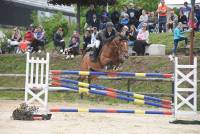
<point x="172" y="21"/>
<point x="104" y="18"/>
<point x="143" y="17"/>
<point x="197" y="12"/>
<point x="28" y="40"/>
<point x="186" y="10"/>
<point x="132" y="35"/>
<point x="39" y="40"/>
<point x="178" y="36"/>
<point x="131" y="9"/>
<point x="152" y="20"/>
<point x="183" y="19"/>
<point x="194" y="24"/>
<point x="115" y="18"/>
<point x="162" y="12"/>
<point x="86" y="38"/>
<point x="59" y="40"/>
<point x="142" y="40"/>
<point x="124" y="31"/>
<point x="95" y="22"/>
<point x="89" y="15"/>
<point x="94" y="34"/>
<point x="15" y="39"/>
<point x="124" y="10"/>
<point x="124" y="21"/>
<point x="133" y="20"/>
<point x="73" y="48"/>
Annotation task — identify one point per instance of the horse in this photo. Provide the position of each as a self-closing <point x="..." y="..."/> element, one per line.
<point x="113" y="53"/>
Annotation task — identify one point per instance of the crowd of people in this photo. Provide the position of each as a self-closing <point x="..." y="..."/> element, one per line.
<point x="133" y="22"/>
<point x="137" y="23"/>
<point x="32" y="41"/>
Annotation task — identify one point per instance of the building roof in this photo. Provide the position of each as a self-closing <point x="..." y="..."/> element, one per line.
<point x="44" y="5"/>
<point x="82" y="2"/>
<point x="179" y="3"/>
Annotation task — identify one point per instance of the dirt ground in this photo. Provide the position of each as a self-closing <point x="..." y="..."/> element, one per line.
<point x="91" y="123"/>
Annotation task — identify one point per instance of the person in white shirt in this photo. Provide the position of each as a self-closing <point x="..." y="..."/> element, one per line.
<point x="143" y="17"/>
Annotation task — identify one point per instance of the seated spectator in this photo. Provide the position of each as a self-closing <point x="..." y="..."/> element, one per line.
<point x="143" y="19"/>
<point x="124" y="10"/>
<point x="142" y="40"/>
<point x="15" y="39"/>
<point x="124" y="21"/>
<point x="73" y="48"/>
<point x="183" y="19"/>
<point x="194" y="24"/>
<point x="133" y="20"/>
<point x="104" y="18"/>
<point x="132" y="35"/>
<point x="95" y="22"/>
<point x="26" y="44"/>
<point x="59" y="40"/>
<point x="172" y="21"/>
<point x="124" y="31"/>
<point x="152" y="21"/>
<point x="115" y="17"/>
<point x="178" y="36"/>
<point x="39" y="40"/>
<point x="86" y="39"/>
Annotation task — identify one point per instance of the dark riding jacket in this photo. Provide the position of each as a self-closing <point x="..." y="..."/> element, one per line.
<point x="104" y="36"/>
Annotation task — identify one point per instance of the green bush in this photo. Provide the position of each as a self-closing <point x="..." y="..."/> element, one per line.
<point x="51" y="24"/>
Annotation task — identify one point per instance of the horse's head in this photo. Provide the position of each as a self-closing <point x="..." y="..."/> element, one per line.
<point x="121" y="45"/>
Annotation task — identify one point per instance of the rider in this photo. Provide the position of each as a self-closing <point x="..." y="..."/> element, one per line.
<point x="102" y="37"/>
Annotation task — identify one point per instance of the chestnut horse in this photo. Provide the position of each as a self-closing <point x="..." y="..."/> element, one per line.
<point x="113" y="53"/>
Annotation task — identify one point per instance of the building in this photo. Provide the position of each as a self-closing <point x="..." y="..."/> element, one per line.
<point x="179" y="3"/>
<point x="18" y="12"/>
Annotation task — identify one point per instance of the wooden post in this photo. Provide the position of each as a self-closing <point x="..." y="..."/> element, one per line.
<point x="78" y="17"/>
<point x="192" y="34"/>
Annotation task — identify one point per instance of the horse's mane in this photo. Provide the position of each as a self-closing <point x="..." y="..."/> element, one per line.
<point x="117" y="37"/>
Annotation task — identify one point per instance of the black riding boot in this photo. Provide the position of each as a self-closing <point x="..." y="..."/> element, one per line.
<point x="95" y="54"/>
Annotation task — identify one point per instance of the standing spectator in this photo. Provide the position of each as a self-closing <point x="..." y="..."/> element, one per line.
<point x="162" y="12"/>
<point x="183" y="19"/>
<point x="104" y="18"/>
<point x="197" y="12"/>
<point x="15" y="39"/>
<point x="59" y="40"/>
<point x="89" y="15"/>
<point x="178" y="36"/>
<point x="95" y="22"/>
<point x="186" y="10"/>
<point x="172" y="21"/>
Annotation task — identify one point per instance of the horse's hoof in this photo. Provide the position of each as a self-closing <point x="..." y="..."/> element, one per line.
<point x="72" y="56"/>
<point x="67" y="57"/>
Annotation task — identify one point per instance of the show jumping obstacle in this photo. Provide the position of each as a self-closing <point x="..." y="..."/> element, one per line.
<point x="37" y="79"/>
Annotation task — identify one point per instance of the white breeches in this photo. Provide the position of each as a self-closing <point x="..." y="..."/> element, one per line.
<point x="95" y="44"/>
